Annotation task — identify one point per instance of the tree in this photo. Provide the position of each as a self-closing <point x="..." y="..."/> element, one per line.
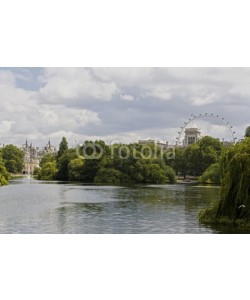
<point x="49" y="157"/>
<point x="110" y="176"/>
<point x="63" y="166"/>
<point x="63" y="162"/>
<point x="48" y="171"/>
<point x="170" y="174"/>
<point x="95" y="154"/>
<point x="211" y="175"/>
<point x="63" y="147"/>
<point x="234" y="204"/>
<point x="247" y="133"/>
<point x="202" y="154"/>
<point x="194" y="158"/>
<point x="13" y="159"/>
<point x="75" y="169"/>
<point x="4" y="174"/>
<point x="36" y="171"/>
<point x="235" y="188"/>
<point x="179" y="163"/>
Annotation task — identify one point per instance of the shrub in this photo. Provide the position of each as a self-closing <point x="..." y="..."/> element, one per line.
<point x="211" y="175"/>
<point x="108" y="176"/>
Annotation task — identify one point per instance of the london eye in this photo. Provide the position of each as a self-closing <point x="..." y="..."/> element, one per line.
<point x="209" y="124"/>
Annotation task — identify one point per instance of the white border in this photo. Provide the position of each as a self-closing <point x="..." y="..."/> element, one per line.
<point x="124" y="33"/>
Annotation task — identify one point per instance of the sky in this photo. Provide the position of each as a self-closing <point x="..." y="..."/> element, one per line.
<point x="119" y="104"/>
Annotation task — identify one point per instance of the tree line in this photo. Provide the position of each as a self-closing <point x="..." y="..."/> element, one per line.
<point x="122" y="163"/>
<point x="133" y="163"/>
<point x="116" y="164"/>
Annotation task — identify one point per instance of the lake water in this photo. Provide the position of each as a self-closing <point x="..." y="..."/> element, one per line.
<point x="30" y="206"/>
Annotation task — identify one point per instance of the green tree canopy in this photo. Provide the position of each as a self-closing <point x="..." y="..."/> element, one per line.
<point x="109" y="176"/>
<point x="75" y="169"/>
<point x="179" y="163"/>
<point x="247" y="132"/>
<point x="13" y="159"/>
<point x="201" y="155"/>
<point x="234" y="205"/>
<point x="49" y="157"/>
<point x="63" y="147"/>
<point x="48" y="171"/>
<point x="4" y="174"/>
<point x="211" y="175"/>
<point x="235" y="188"/>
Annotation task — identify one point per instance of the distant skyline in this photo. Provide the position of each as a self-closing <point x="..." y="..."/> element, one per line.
<point x="117" y="104"/>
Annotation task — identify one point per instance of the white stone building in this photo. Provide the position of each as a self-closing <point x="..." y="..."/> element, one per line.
<point x="33" y="156"/>
<point x="192" y="136"/>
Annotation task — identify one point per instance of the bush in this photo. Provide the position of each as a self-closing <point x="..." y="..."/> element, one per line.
<point x="170" y="174"/>
<point x="3" y="181"/>
<point x="108" y="176"/>
<point x="211" y="175"/>
<point x="48" y="171"/>
<point x="4" y="175"/>
<point x="75" y="169"/>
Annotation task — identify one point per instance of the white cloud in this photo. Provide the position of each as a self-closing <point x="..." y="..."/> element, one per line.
<point x="5" y="127"/>
<point x="111" y="103"/>
<point x="24" y="116"/>
<point x="127" y="97"/>
<point x="159" y="92"/>
<point x="70" y="85"/>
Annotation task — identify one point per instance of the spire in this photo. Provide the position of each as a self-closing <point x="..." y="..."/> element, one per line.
<point x="26" y="143"/>
<point x="49" y="144"/>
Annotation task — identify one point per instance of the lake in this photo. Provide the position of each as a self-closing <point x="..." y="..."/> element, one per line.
<point x="30" y="206"/>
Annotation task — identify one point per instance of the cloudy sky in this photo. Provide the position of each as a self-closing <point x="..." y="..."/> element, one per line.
<point x="118" y="104"/>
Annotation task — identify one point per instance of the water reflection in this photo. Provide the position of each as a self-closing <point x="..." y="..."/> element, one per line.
<point x="48" y="207"/>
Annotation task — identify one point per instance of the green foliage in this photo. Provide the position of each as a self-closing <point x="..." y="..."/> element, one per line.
<point x="63" y="167"/>
<point x="63" y="147"/>
<point x="4" y="174"/>
<point x="109" y="176"/>
<point x="208" y="215"/>
<point x="149" y="171"/>
<point x="97" y="155"/>
<point x="197" y="157"/>
<point x="3" y="181"/>
<point x="234" y="205"/>
<point x="108" y="164"/>
<point x="211" y="175"/>
<point x="36" y="171"/>
<point x="13" y="159"/>
<point x="179" y="164"/>
<point x="47" y="158"/>
<point x="235" y="189"/>
<point x="247" y="133"/>
<point x="48" y="171"/>
<point x="75" y="169"/>
<point x="170" y="173"/>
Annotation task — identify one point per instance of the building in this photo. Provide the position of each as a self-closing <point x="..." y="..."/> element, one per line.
<point x="33" y="156"/>
<point x="192" y="136"/>
<point x="49" y="149"/>
<point x="162" y="145"/>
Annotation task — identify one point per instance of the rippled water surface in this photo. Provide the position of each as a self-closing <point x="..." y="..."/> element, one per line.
<point x="30" y="206"/>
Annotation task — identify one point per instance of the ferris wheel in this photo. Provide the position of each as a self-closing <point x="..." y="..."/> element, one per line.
<point x="208" y="124"/>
